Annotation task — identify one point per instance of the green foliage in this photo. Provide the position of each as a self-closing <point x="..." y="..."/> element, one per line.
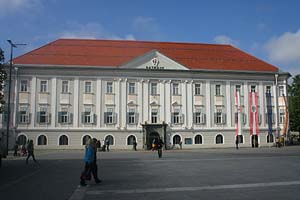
<point x="294" y="103"/>
<point x="3" y="76"/>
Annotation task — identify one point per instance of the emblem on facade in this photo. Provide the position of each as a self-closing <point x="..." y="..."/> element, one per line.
<point x="155" y="61"/>
<point x="154" y="65"/>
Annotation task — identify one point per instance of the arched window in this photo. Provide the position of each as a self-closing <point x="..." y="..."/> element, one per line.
<point x="270" y="138"/>
<point x="110" y="139"/>
<point x="131" y="139"/>
<point x="176" y="139"/>
<point x="219" y="139"/>
<point x="22" y="140"/>
<point x="198" y="139"/>
<point x="42" y="140"/>
<point x="240" y="139"/>
<point x="63" y="140"/>
<point x="85" y="139"/>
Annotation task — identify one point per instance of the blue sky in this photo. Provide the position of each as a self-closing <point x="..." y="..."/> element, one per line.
<point x="267" y="29"/>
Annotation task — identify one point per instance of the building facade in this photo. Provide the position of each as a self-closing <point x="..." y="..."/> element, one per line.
<point x="124" y="91"/>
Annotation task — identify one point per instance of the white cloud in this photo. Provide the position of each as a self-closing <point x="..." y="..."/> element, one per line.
<point x="90" y="30"/>
<point x="285" y="48"/>
<point x="18" y="6"/>
<point x="223" y="39"/>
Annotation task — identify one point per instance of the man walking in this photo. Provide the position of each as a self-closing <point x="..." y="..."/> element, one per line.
<point x="30" y="150"/>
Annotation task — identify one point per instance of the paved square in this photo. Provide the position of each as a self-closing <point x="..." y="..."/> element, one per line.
<point x="264" y="173"/>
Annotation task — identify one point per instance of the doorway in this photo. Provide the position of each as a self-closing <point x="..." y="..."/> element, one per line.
<point x="254" y="141"/>
<point x="150" y="138"/>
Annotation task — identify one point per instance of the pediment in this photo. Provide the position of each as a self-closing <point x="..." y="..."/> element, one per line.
<point x="154" y="60"/>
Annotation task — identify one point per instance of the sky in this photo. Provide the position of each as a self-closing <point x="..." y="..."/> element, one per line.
<point x="267" y="29"/>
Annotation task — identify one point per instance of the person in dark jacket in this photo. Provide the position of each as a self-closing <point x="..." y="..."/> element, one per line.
<point x="159" y="145"/>
<point x="94" y="166"/>
<point x="30" y="150"/>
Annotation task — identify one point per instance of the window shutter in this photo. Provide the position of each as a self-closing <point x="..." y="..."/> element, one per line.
<point x="236" y="117"/>
<point x="105" y="117"/>
<point x="203" y="118"/>
<point x="59" y="117"/>
<point x="82" y="117"/>
<point x="48" y="120"/>
<point x="194" y="118"/>
<point x="223" y="118"/>
<point x="127" y="117"/>
<point x="244" y="118"/>
<point x="182" y="118"/>
<point x="114" y="116"/>
<point x="172" y="118"/>
<point x="94" y="119"/>
<point x="29" y="118"/>
<point x="215" y="118"/>
<point x="136" y="118"/>
<point x="38" y="117"/>
<point x="70" y="118"/>
<point x="259" y="118"/>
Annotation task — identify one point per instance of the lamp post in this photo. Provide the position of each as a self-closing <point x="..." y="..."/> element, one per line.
<point x="12" y="46"/>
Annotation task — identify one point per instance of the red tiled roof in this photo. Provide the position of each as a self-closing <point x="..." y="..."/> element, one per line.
<point x="118" y="52"/>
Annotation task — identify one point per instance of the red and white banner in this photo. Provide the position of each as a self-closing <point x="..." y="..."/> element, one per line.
<point x="253" y="97"/>
<point x="238" y="116"/>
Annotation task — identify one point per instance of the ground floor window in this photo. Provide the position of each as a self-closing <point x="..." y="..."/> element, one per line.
<point x="219" y="139"/>
<point x="270" y="138"/>
<point x="198" y="139"/>
<point x="109" y="139"/>
<point x="22" y="140"/>
<point x="176" y="139"/>
<point x="63" y="140"/>
<point x="42" y="140"/>
<point x="85" y="139"/>
<point x="131" y="139"/>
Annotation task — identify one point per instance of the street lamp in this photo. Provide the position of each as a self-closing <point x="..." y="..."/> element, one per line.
<point x="12" y="46"/>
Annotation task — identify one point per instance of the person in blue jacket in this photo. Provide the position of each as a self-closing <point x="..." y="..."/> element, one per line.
<point x="88" y="159"/>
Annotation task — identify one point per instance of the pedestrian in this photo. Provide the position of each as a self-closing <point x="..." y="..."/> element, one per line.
<point x="107" y="145"/>
<point x="134" y="145"/>
<point x="159" y="146"/>
<point x="94" y="166"/>
<point x="88" y="160"/>
<point x="180" y="144"/>
<point x="237" y="142"/>
<point x="98" y="145"/>
<point x="30" y="149"/>
<point x="16" y="148"/>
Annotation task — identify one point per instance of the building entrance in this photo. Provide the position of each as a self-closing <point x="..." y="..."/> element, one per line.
<point x="152" y="132"/>
<point x="151" y="138"/>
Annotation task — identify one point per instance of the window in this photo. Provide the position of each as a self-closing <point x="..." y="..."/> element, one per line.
<point x="85" y="139"/>
<point x="219" y="139"/>
<point x="65" y="87"/>
<point x="198" y="139"/>
<point x="42" y="140"/>
<point x="88" y="116"/>
<point x="253" y="88"/>
<point x="154" y="116"/>
<point x="199" y="117"/>
<point x="88" y="87"/>
<point x="281" y="116"/>
<point x="64" y="117"/>
<point x="131" y="116"/>
<point x="42" y="115"/>
<point x="220" y="117"/>
<point x="281" y="91"/>
<point x="270" y="138"/>
<point x="175" y="89"/>
<point x="188" y="141"/>
<point x="153" y="89"/>
<point x="176" y="117"/>
<point x="218" y="90"/>
<point x="268" y="89"/>
<point x="24" y="115"/>
<point x="109" y="87"/>
<point x="24" y="86"/>
<point x="131" y="139"/>
<point x="131" y="88"/>
<point x="238" y="88"/>
<point x="197" y="89"/>
<point x="22" y="140"/>
<point x="63" y="140"/>
<point x="176" y="139"/>
<point x="110" y="116"/>
<point x="43" y="86"/>
<point x="110" y="139"/>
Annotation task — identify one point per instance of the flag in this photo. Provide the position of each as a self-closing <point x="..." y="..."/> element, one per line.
<point x="238" y="116"/>
<point x="269" y="112"/>
<point x="286" y="123"/>
<point x="254" y="130"/>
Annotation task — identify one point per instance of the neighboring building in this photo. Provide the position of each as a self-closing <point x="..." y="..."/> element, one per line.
<point x="121" y="91"/>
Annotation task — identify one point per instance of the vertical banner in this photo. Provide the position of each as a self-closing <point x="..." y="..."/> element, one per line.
<point x="286" y="123"/>
<point x="254" y="130"/>
<point x="238" y="116"/>
<point x="269" y="112"/>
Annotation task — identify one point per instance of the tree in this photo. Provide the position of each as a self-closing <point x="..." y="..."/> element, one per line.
<point x="3" y="76"/>
<point x="294" y="103"/>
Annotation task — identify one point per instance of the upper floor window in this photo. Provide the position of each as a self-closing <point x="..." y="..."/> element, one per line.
<point x="268" y="89"/>
<point x="43" y="116"/>
<point x="281" y="91"/>
<point x="154" y="116"/>
<point x="110" y="117"/>
<point x="218" y="90"/>
<point x="109" y="87"/>
<point x="65" y="87"/>
<point x="238" y="88"/>
<point x="24" y="86"/>
<point x="131" y="116"/>
<point x="175" y="89"/>
<point x="197" y="89"/>
<point x="88" y="87"/>
<point x="131" y="88"/>
<point x="43" y="86"/>
<point x="24" y="116"/>
<point x="220" y="117"/>
<point x="253" y="88"/>
<point x="65" y="117"/>
<point x="153" y="90"/>
<point x="88" y="116"/>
